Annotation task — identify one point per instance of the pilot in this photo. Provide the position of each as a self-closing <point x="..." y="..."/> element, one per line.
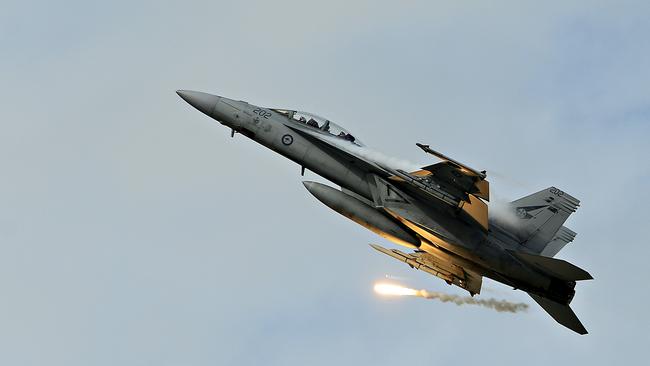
<point x="303" y="119"/>
<point x="312" y="122"/>
<point x="326" y="126"/>
<point x="346" y="136"/>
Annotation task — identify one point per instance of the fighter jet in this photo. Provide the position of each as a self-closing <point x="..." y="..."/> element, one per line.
<point x="439" y="211"/>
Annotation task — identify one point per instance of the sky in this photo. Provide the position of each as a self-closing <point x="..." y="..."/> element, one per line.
<point x="135" y="231"/>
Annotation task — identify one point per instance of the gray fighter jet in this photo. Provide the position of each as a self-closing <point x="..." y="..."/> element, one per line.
<point x="438" y="211"/>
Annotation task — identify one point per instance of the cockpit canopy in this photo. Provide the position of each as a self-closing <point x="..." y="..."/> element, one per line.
<point x="319" y="123"/>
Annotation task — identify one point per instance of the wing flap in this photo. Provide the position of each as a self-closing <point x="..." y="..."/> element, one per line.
<point x="477" y="210"/>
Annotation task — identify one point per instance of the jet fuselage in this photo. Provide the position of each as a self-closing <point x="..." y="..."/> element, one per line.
<point x="314" y="150"/>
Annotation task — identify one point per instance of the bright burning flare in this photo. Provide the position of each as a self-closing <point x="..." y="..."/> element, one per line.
<point x="391" y="289"/>
<point x="394" y="290"/>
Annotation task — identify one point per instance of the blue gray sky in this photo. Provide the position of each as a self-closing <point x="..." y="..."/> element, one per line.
<point x="134" y="231"/>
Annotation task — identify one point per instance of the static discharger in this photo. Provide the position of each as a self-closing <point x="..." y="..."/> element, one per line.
<point x="390" y="289"/>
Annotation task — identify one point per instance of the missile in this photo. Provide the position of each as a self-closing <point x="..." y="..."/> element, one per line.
<point x="442" y="156"/>
<point x="363" y="214"/>
<point x="413" y="262"/>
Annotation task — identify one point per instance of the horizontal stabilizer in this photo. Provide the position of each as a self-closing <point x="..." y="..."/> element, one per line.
<point x="561" y="313"/>
<point x="555" y="267"/>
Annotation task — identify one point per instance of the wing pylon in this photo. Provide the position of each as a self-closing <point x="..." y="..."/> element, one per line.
<point x="451" y="273"/>
<point x="452" y="182"/>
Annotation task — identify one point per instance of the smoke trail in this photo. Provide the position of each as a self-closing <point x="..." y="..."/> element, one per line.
<point x="498" y="305"/>
<point x="390" y="289"/>
<point x="373" y="155"/>
<point x="497" y="291"/>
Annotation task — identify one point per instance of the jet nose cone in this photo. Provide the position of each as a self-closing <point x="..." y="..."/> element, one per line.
<point x="202" y="101"/>
<point x="307" y="184"/>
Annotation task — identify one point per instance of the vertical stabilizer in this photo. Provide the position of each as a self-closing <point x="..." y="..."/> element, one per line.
<point x="541" y="216"/>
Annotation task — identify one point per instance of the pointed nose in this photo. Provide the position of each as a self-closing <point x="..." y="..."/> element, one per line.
<point x="309" y="185"/>
<point x="202" y="101"/>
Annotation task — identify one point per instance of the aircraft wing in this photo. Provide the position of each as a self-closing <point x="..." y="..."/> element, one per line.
<point x="451" y="182"/>
<point x="451" y="273"/>
<point x="457" y="180"/>
<point x="456" y="177"/>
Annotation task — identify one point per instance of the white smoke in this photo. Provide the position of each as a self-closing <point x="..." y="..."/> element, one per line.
<point x="498" y="305"/>
<point x="504" y="214"/>
<point x="373" y="155"/>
